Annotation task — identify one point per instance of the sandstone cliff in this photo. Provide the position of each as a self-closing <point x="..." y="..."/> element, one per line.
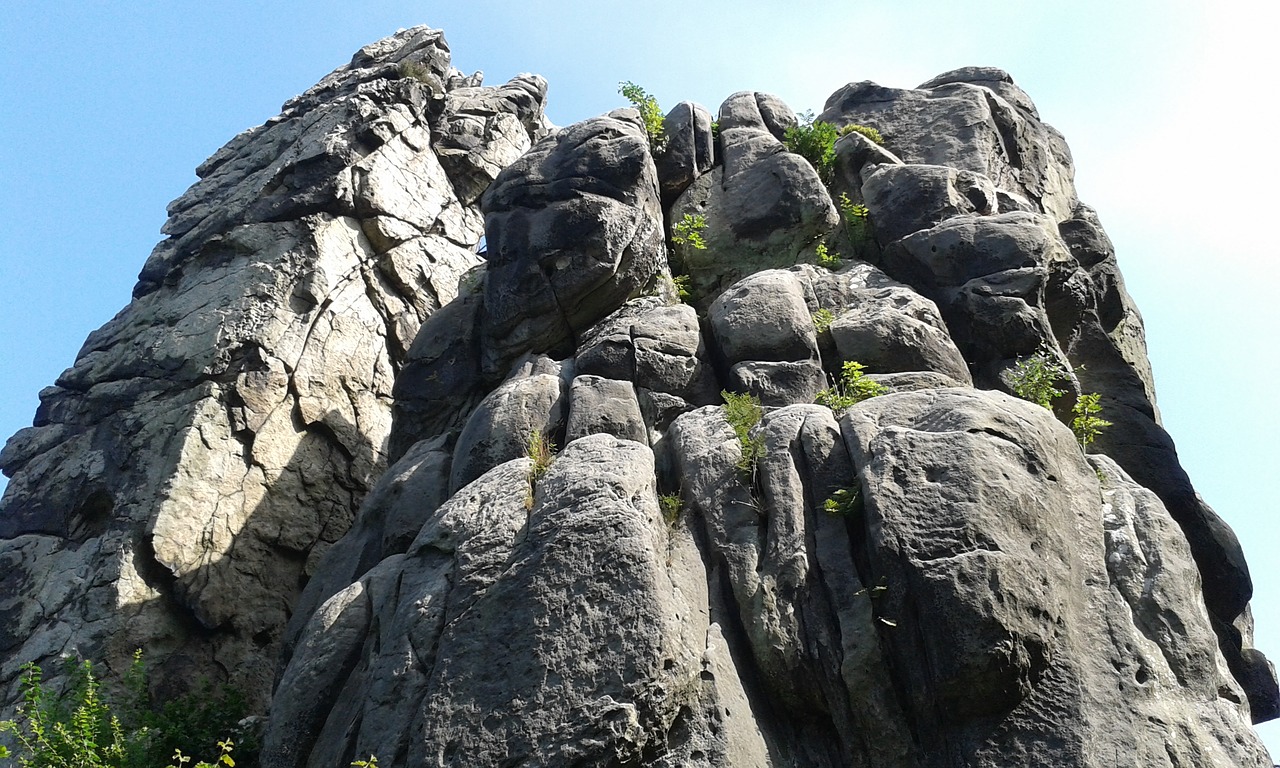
<point x="297" y="460"/>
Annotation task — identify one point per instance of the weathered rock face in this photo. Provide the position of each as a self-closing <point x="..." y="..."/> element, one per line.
<point x="183" y="478"/>
<point x="935" y="576"/>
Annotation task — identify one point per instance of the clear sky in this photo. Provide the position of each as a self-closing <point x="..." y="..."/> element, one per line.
<point x="106" y="109"/>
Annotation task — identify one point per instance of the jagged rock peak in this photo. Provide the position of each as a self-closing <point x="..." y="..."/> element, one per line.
<point x="939" y="574"/>
<point x="218" y="434"/>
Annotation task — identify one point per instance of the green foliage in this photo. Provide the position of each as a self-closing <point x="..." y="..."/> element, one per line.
<point x="815" y="141"/>
<point x="687" y="233"/>
<point x="843" y="502"/>
<point x="743" y="412"/>
<point x="539" y="448"/>
<point x="1035" y="378"/>
<point x="869" y="132"/>
<point x="822" y="320"/>
<point x="71" y="731"/>
<point x="80" y="728"/>
<point x="715" y="129"/>
<point x="681" y="284"/>
<point x="650" y="113"/>
<point x="372" y="762"/>
<point x="671" y="505"/>
<point x="1086" y="423"/>
<point x="826" y="258"/>
<point x="415" y="70"/>
<point x="853" y="388"/>
<point x="224" y="759"/>
<point x="857" y="223"/>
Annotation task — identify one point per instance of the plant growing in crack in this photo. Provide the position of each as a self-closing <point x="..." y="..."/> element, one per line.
<point x="650" y="113"/>
<point x="857" y="222"/>
<point x="671" y="504"/>
<point x="743" y="412"/>
<point x="843" y="502"/>
<point x="852" y="388"/>
<point x="687" y="233"/>
<point x="827" y="259"/>
<point x="1087" y="425"/>
<point x="1035" y="378"/>
<point x="541" y="452"/>
<point x="822" y="320"/>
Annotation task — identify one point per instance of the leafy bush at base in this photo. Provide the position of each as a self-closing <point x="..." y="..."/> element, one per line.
<point x="82" y="728"/>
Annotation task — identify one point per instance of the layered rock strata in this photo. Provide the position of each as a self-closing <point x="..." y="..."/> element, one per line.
<point x="183" y="478"/>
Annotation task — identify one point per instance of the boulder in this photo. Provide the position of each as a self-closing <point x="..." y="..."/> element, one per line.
<point x="573" y="230"/>
<point x="985" y="124"/>
<point x="690" y="150"/>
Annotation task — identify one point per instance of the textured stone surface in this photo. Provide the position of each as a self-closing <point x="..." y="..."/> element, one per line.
<point x="475" y="662"/>
<point x="937" y="576"/>
<point x="985" y="124"/>
<point x="764" y="207"/>
<point x="690" y="150"/>
<point x="573" y="230"/>
<point x="185" y="476"/>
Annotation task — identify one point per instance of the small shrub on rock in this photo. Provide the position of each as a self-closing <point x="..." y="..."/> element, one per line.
<point x="853" y="388"/>
<point x="1086" y="425"/>
<point x="1035" y="378"/>
<point x="650" y="113"/>
<point x="541" y="451"/>
<point x="826" y="258"/>
<point x="822" y="320"/>
<point x="857" y="222"/>
<point x="671" y="505"/>
<point x="687" y="232"/>
<point x="843" y="502"/>
<point x="743" y="412"/>
<point x="865" y="130"/>
<point x="815" y="141"/>
<point x="82" y="728"/>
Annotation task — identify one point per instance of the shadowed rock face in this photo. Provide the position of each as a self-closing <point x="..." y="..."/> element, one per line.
<point x="937" y="576"/>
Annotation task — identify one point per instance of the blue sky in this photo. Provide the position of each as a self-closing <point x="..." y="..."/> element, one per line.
<point x="108" y="108"/>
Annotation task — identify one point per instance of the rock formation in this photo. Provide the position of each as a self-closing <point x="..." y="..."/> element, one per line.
<point x="300" y="459"/>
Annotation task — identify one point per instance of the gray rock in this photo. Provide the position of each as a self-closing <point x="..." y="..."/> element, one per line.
<point x="573" y="230"/>
<point x="1103" y="335"/>
<point x="764" y="317"/>
<point x="500" y="427"/>
<point x="764" y="208"/>
<point x="592" y="555"/>
<point x="690" y="150"/>
<point x="604" y="406"/>
<point x="857" y="157"/>
<point x="986" y="125"/>
<point x="939" y="577"/>
<point x="186" y="476"/>
<point x="942" y="560"/>
<point x="988" y="276"/>
<point x="903" y="199"/>
<point x="895" y="329"/>
<point x="779" y="382"/>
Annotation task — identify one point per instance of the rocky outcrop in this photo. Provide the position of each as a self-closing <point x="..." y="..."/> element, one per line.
<point x="184" y="477"/>
<point x="938" y="575"/>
